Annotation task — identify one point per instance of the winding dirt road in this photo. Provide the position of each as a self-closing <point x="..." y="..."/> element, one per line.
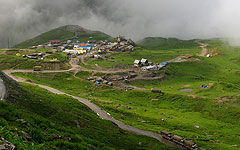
<point x="101" y="113"/>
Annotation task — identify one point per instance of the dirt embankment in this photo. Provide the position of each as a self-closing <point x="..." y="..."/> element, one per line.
<point x="2" y="89"/>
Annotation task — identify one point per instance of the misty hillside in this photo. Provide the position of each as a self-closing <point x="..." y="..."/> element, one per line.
<point x="64" y="33"/>
<point x="166" y="43"/>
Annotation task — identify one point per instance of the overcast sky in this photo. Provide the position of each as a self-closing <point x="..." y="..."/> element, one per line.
<point x="136" y="19"/>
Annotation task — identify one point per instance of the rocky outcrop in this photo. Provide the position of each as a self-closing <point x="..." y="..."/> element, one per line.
<point x="11" y="85"/>
<point x="5" y="145"/>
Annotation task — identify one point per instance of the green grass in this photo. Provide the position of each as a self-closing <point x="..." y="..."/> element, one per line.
<point x="50" y="115"/>
<point x="63" y="33"/>
<point x="186" y="112"/>
<point x="8" y="59"/>
<point x="166" y="43"/>
<point x="55" y="34"/>
<point x="156" y="54"/>
<point x="222" y="71"/>
<point x="219" y="122"/>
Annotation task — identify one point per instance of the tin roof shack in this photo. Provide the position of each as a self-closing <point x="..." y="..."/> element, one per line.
<point x="130" y="48"/>
<point x="97" y="56"/>
<point x="156" y="91"/>
<point x="40" y="46"/>
<point x="137" y="63"/>
<point x="149" y="68"/>
<point x="144" y="62"/>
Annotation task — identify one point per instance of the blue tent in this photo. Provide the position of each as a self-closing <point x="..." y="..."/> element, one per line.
<point x="165" y="63"/>
<point x="97" y="82"/>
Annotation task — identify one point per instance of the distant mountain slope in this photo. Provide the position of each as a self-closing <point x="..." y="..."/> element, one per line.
<point x="166" y="43"/>
<point x="64" y="33"/>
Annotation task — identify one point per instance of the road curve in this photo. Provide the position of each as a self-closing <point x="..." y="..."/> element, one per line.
<point x="2" y="90"/>
<point x="101" y="113"/>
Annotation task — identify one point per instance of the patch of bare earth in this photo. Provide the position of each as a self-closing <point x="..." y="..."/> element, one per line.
<point x="224" y="99"/>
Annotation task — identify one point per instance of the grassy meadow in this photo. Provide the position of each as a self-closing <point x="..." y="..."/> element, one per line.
<point x="60" y="122"/>
<point x="10" y="60"/>
<point x="209" y="117"/>
<point x="156" y="50"/>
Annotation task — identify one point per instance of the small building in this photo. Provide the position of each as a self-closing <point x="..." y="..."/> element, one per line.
<point x="137" y="63"/>
<point x="97" y="56"/>
<point x="144" y="62"/>
<point x="40" y="46"/>
<point x="148" y="68"/>
<point x="156" y="91"/>
<point x="69" y="41"/>
<point x="130" y="48"/>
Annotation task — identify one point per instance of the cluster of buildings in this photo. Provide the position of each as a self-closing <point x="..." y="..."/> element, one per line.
<point x="148" y="66"/>
<point x="100" y="80"/>
<point x="75" y="47"/>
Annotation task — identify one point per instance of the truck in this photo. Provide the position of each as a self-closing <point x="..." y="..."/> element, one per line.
<point x="167" y="135"/>
<point x="190" y="145"/>
<point x="37" y="68"/>
<point x="178" y="139"/>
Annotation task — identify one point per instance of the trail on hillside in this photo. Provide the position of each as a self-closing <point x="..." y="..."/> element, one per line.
<point x="204" y="51"/>
<point x="2" y="90"/>
<point x="101" y="113"/>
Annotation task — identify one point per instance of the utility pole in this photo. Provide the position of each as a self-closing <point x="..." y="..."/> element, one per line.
<point x="8" y="42"/>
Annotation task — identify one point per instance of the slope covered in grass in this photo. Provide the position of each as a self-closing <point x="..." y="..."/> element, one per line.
<point x="64" y="33"/>
<point x="166" y="43"/>
<point x="154" y="49"/>
<point x="218" y="121"/>
<point x="210" y="117"/>
<point x="9" y="60"/>
<point x="60" y="122"/>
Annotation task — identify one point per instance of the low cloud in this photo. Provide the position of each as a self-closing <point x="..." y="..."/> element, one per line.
<point x="185" y="19"/>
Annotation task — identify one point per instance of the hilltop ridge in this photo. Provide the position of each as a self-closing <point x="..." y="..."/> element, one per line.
<point x="64" y="33"/>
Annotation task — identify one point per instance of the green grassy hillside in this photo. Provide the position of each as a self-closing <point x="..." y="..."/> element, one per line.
<point x="155" y="49"/>
<point x="210" y="117"/>
<point x="60" y="122"/>
<point x="10" y="60"/>
<point x="166" y="43"/>
<point x="64" y="33"/>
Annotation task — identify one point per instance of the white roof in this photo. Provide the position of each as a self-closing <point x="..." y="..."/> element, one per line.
<point x="150" y="67"/>
<point x="136" y="61"/>
<point x="144" y="60"/>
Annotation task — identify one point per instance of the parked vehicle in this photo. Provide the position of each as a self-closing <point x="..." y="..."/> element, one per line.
<point x="37" y="68"/>
<point x="178" y="139"/>
<point x="188" y="144"/>
<point x="167" y="135"/>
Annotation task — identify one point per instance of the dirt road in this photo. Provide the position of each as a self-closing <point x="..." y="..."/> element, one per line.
<point x="2" y="89"/>
<point x="101" y="113"/>
<point x="204" y="51"/>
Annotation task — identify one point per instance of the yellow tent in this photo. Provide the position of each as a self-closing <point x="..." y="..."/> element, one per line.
<point x="18" y="54"/>
<point x="84" y="51"/>
<point x="99" y="51"/>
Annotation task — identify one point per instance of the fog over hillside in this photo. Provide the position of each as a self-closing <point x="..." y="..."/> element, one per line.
<point x="185" y="19"/>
